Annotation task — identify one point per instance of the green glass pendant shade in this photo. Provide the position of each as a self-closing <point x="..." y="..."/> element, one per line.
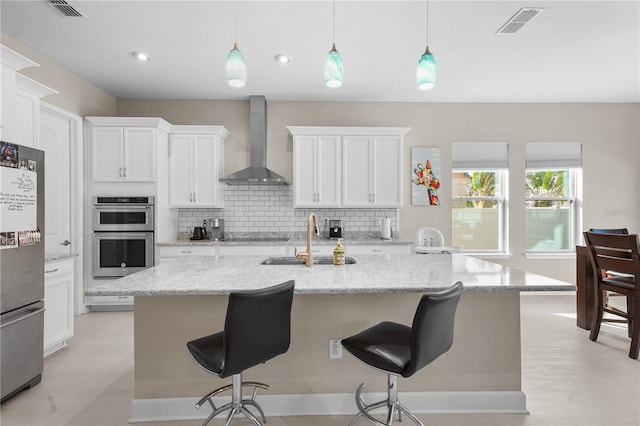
<point x="426" y="74"/>
<point x="333" y="70"/>
<point x="236" y="68"/>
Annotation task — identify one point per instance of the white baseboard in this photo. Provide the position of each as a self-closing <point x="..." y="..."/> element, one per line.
<point x="335" y="404"/>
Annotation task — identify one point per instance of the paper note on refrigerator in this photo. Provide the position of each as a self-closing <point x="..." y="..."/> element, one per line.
<point x="18" y="200"/>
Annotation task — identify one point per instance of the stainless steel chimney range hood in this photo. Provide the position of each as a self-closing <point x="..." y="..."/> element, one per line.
<point x="257" y="173"/>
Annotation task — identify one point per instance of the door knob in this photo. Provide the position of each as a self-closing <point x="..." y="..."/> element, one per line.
<point x="65" y="243"/>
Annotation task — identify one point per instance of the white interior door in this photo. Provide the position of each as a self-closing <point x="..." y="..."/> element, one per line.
<point x="55" y="140"/>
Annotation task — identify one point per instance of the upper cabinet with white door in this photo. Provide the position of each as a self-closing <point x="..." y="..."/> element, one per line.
<point x="372" y="173"/>
<point x="20" y="118"/>
<point x="123" y="149"/>
<point x="348" y="167"/>
<point x="317" y="169"/>
<point x="196" y="164"/>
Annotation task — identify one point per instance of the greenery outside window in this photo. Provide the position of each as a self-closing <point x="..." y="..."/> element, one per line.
<point x="550" y="209"/>
<point x="553" y="194"/>
<point x="478" y="210"/>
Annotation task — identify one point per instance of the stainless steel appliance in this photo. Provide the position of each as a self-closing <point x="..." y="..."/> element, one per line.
<point x="335" y="228"/>
<point x="21" y="267"/>
<point x="257" y="173"/>
<point x="123" y="237"/>
<point x="123" y="214"/>
<point x="216" y="229"/>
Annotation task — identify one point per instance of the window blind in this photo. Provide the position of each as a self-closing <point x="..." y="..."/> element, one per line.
<point x="540" y="155"/>
<point x="480" y="155"/>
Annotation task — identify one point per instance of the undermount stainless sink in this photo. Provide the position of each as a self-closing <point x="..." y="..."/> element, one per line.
<point x="317" y="260"/>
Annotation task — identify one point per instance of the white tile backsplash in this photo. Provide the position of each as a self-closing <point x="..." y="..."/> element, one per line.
<point x="269" y="209"/>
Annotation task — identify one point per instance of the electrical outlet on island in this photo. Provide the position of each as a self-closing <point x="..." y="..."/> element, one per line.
<point x="335" y="349"/>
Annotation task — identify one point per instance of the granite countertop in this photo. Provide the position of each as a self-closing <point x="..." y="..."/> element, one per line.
<point x="54" y="257"/>
<point x="216" y="275"/>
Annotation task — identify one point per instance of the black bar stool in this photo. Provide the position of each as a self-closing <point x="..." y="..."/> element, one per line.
<point x="257" y="328"/>
<point x="397" y="349"/>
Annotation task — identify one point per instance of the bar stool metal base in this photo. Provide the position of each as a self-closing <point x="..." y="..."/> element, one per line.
<point x="392" y="404"/>
<point x="237" y="404"/>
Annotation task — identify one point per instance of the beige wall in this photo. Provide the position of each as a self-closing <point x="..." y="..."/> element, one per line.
<point x="76" y="95"/>
<point x="610" y="134"/>
<point x="483" y="358"/>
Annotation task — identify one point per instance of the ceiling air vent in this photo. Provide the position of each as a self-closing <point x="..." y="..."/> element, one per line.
<point x="524" y="16"/>
<point x="65" y="8"/>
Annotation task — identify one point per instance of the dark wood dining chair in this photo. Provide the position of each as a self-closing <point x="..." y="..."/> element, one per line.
<point x="618" y="253"/>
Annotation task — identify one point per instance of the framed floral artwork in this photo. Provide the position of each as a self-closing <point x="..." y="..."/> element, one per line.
<point x="425" y="176"/>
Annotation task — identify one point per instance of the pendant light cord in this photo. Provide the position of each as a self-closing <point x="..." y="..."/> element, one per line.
<point x="427" y="27"/>
<point x="334" y="22"/>
<point x="235" y="22"/>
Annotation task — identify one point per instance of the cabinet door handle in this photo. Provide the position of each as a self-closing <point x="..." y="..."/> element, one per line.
<point x="185" y="251"/>
<point x="194" y="197"/>
<point x="376" y="250"/>
<point x="120" y="172"/>
<point x="50" y="271"/>
<point x="373" y="196"/>
<point x="191" y="197"/>
<point x="65" y="243"/>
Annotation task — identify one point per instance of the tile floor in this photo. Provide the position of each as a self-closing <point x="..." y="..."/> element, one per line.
<point x="568" y="379"/>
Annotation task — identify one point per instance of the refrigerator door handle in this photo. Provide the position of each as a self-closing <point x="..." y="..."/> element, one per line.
<point x="34" y="313"/>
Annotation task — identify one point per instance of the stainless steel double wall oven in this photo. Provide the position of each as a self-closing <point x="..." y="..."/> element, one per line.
<point x="123" y="235"/>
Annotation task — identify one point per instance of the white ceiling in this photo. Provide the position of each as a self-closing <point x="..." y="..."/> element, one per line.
<point x="575" y="51"/>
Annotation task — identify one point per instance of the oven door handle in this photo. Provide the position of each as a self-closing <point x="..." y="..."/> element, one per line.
<point x="120" y="208"/>
<point x="119" y="236"/>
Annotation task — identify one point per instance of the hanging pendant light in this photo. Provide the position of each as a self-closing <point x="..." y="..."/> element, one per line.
<point x="427" y="70"/>
<point x="236" y="66"/>
<point x="333" y="69"/>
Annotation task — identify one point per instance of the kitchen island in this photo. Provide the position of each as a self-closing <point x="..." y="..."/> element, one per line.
<point x="185" y="299"/>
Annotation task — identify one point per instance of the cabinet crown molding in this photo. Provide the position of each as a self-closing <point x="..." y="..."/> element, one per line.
<point x="347" y="131"/>
<point x="130" y="122"/>
<point x="14" y="60"/>
<point x="33" y="87"/>
<point x="200" y="130"/>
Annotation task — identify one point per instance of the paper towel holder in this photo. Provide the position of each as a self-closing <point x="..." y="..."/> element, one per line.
<point x="385" y="228"/>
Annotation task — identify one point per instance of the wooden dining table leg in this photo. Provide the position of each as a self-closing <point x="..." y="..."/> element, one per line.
<point x="585" y="293"/>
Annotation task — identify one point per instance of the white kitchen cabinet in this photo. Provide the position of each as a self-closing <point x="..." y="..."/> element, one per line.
<point x="253" y="250"/>
<point x="20" y="103"/>
<point x="123" y="149"/>
<point x="356" y="250"/>
<point x="166" y="253"/>
<point x="372" y="174"/>
<point x="317" y="168"/>
<point x="123" y="154"/>
<point x="196" y="163"/>
<point x="58" y="304"/>
<point x="348" y="167"/>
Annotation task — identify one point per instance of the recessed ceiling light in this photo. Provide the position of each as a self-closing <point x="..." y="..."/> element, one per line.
<point x="282" y="58"/>
<point x="141" y="56"/>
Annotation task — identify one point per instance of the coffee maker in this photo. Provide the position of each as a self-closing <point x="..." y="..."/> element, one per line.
<point x="216" y="229"/>
<point x="335" y="228"/>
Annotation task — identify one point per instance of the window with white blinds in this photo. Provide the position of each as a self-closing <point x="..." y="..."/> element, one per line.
<point x="479" y="191"/>
<point x="553" y="183"/>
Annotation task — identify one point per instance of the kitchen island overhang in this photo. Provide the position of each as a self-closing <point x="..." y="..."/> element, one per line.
<point x="481" y="373"/>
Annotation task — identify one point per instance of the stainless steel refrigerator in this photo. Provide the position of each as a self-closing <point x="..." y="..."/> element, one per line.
<point x="21" y="267"/>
